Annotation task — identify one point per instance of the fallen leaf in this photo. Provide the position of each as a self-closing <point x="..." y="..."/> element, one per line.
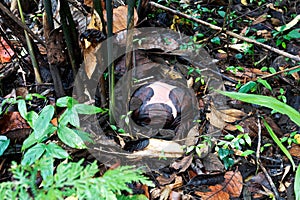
<point x="14" y="126"/>
<point x="120" y="18"/>
<point x="230" y="188"/>
<point x="212" y="163"/>
<point x="183" y="163"/>
<point x="6" y="53"/>
<point x="160" y="148"/>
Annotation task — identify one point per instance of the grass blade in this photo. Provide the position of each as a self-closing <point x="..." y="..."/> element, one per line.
<point x="297" y="184"/>
<point x="279" y="144"/>
<point x="269" y="102"/>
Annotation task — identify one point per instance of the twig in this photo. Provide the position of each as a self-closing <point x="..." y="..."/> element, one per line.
<point x="270" y="182"/>
<point x="19" y="23"/>
<point x="258" y="143"/>
<point x="280" y="72"/>
<point x="217" y="28"/>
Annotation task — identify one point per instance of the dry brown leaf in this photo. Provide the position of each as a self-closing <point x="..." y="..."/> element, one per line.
<point x="244" y="2"/>
<point x="120" y="18"/>
<point x="90" y="59"/>
<point x="14" y="126"/>
<point x="260" y="19"/>
<point x="295" y="150"/>
<point x="162" y="180"/>
<point x="219" y="118"/>
<point x="230" y="188"/>
<point x="183" y="164"/>
<point x="215" y="193"/>
<point x="212" y="163"/>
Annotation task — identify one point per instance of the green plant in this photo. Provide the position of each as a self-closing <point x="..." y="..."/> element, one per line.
<point x="71" y="180"/>
<point x="266" y="101"/>
<point x="297" y="184"/>
<point x="234" y="69"/>
<point x="279" y="144"/>
<point x="253" y="86"/>
<point x="4" y="142"/>
<point x="225" y="156"/>
<point x="282" y="96"/>
<point x="292" y="138"/>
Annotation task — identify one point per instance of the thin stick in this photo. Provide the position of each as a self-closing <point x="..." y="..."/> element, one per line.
<point x="280" y="72"/>
<point x="217" y="28"/>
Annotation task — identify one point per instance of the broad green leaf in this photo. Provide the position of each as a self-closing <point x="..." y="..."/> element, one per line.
<point x="22" y="108"/>
<point x="70" y="138"/>
<point x="279" y="144"/>
<point x="87" y="109"/>
<point x="56" y="151"/>
<point x="42" y="122"/>
<point x="31" y="118"/>
<point x="46" y="167"/>
<point x="297" y="183"/>
<point x="247" y="139"/>
<point x="266" y="101"/>
<point x="30" y="140"/>
<point x="247" y="87"/>
<point x="66" y="102"/>
<point x="221" y="13"/>
<point x="33" y="154"/>
<point x="4" y="142"/>
<point x="69" y="116"/>
<point x="86" y="137"/>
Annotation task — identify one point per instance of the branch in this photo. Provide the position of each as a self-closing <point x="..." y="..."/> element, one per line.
<point x="19" y="23"/>
<point x="217" y="28"/>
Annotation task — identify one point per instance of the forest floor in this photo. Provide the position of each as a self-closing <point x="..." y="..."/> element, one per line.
<point x="239" y="150"/>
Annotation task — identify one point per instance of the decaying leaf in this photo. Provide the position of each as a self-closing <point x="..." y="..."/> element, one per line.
<point x="222" y="118"/>
<point x="183" y="163"/>
<point x="14" y="126"/>
<point x="230" y="188"/>
<point x="120" y="18"/>
<point x="6" y="52"/>
<point x="212" y="163"/>
<point x="160" y="148"/>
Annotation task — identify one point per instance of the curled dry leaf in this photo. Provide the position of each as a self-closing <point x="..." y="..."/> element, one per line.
<point x="230" y="188"/>
<point x="14" y="126"/>
<point x="221" y="118"/>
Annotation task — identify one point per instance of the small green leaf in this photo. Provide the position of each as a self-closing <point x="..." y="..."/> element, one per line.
<point x="264" y="83"/>
<point x="66" y="102"/>
<point x="247" y="152"/>
<point x="46" y="168"/>
<point x="247" y="87"/>
<point x="70" y="138"/>
<point x="272" y="70"/>
<point x="4" y="142"/>
<point x="216" y="40"/>
<point x="87" y="109"/>
<point x="56" y="151"/>
<point x="33" y="154"/>
<point x="294" y="34"/>
<point x="31" y="118"/>
<point x="240" y="128"/>
<point x="263" y="69"/>
<point x="247" y="139"/>
<point x="229" y="137"/>
<point x="22" y="108"/>
<point x="42" y="122"/>
<point x="221" y="13"/>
